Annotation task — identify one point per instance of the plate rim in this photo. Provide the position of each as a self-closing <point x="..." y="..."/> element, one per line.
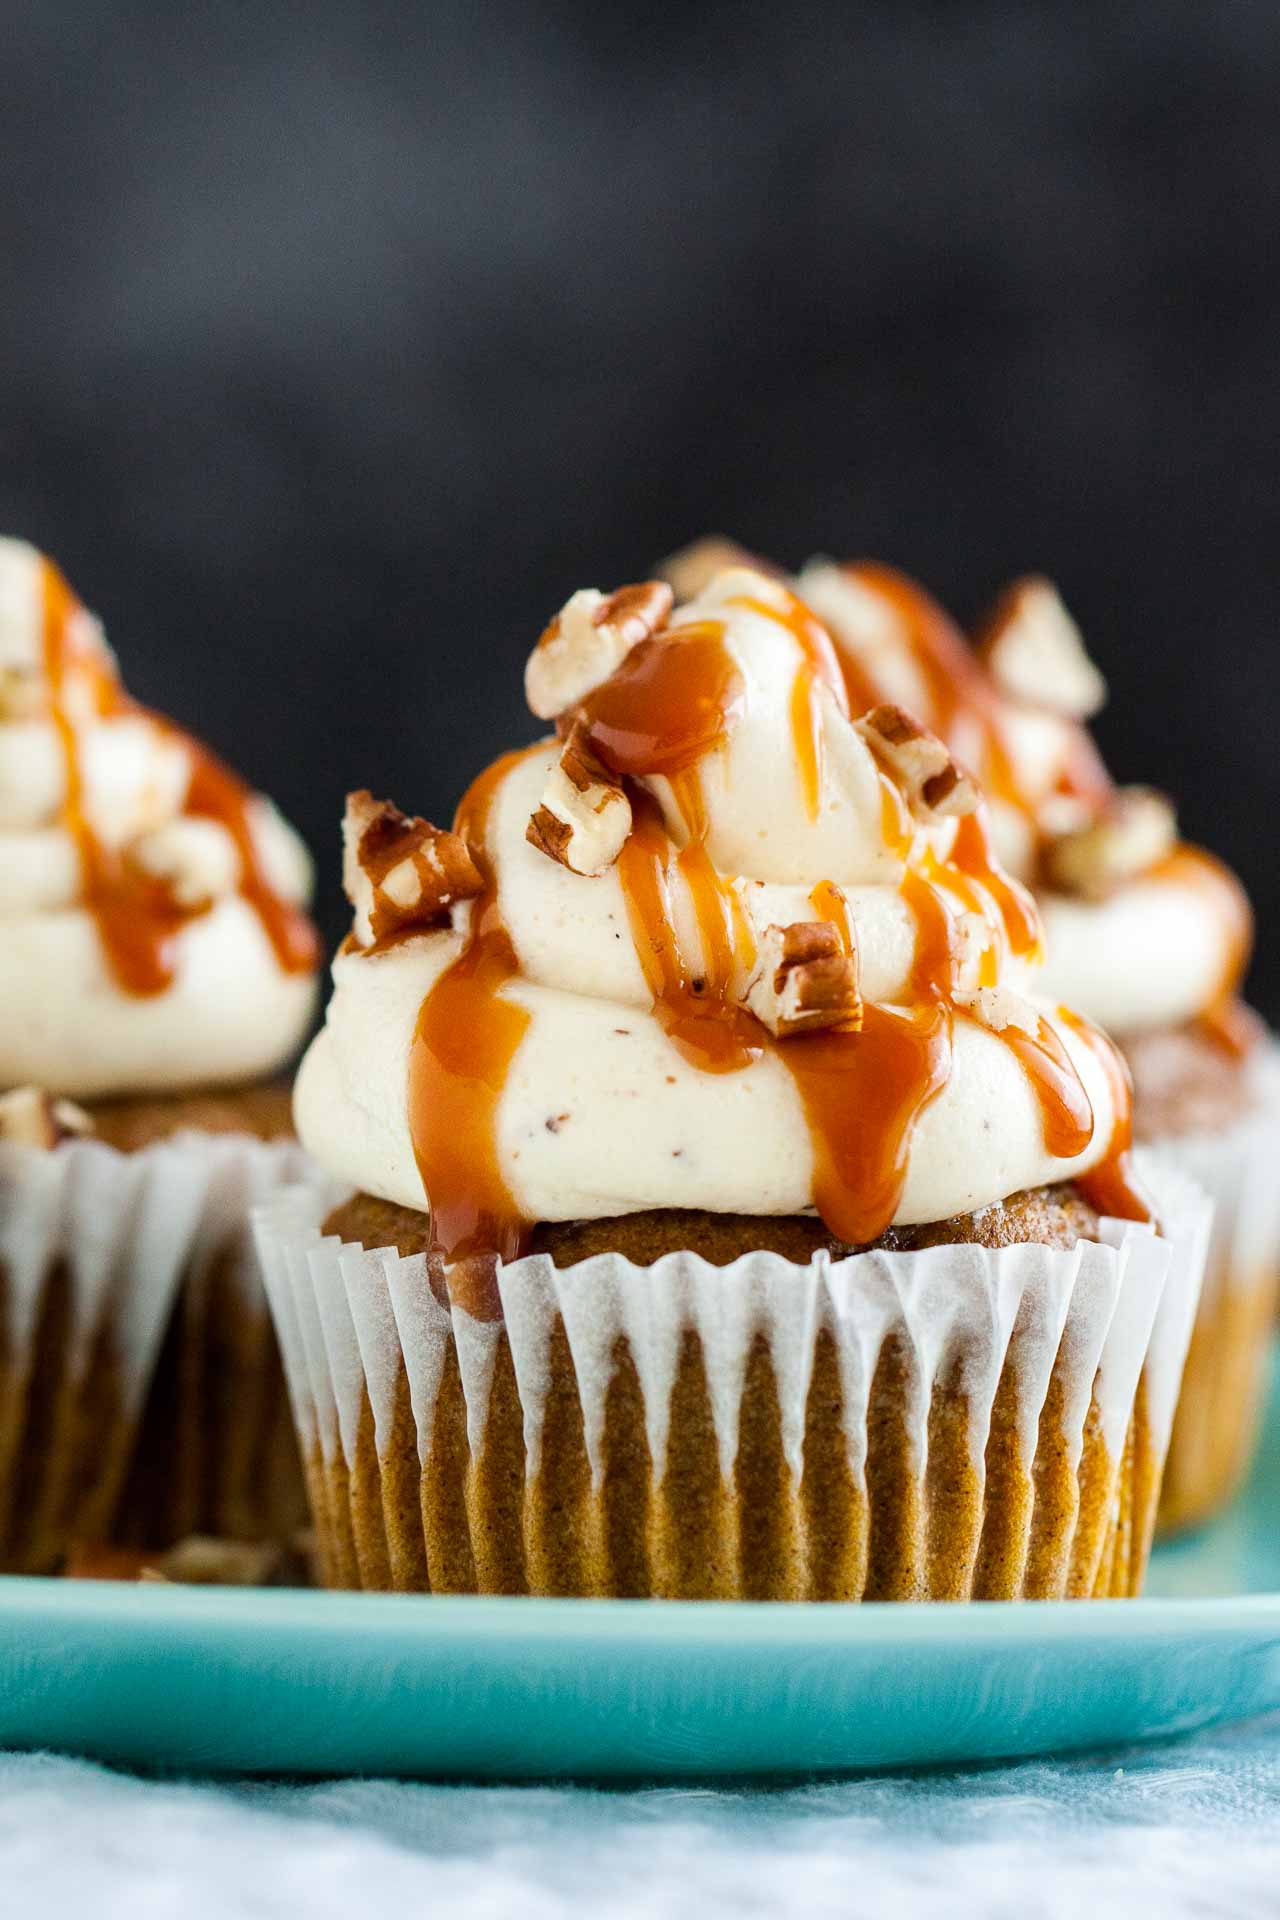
<point x="141" y="1607"/>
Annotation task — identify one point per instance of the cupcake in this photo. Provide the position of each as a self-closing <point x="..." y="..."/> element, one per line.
<point x="1147" y="935"/>
<point x="719" y="1214"/>
<point x="156" y="972"/>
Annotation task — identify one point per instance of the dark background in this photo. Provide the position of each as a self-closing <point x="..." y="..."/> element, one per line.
<point x="338" y="346"/>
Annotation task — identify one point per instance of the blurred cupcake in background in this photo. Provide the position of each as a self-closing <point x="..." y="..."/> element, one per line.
<point x="725" y="1215"/>
<point x="1148" y="936"/>
<point x="157" y="971"/>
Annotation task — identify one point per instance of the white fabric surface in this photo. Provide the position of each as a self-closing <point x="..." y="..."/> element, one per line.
<point x="1190" y="1829"/>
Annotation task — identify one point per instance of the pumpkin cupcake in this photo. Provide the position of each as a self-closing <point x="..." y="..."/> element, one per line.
<point x="157" y="970"/>
<point x="724" y="1218"/>
<point x="1147" y="935"/>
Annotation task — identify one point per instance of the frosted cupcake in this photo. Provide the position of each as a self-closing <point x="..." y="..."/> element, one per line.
<point x="723" y="1215"/>
<point x="1149" y="936"/>
<point x="156" y="970"/>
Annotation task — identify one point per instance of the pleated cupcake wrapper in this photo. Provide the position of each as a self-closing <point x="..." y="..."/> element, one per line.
<point x="94" y="1247"/>
<point x="1220" y="1408"/>
<point x="358" y="1325"/>
<point x="216" y="1452"/>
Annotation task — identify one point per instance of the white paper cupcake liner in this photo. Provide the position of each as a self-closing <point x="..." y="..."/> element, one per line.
<point x="94" y="1246"/>
<point x="358" y="1326"/>
<point x="1217" y="1421"/>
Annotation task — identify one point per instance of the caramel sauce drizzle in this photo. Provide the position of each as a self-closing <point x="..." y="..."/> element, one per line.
<point x="829" y="903"/>
<point x="464" y="1042"/>
<point x="1225" y="1021"/>
<point x="1065" y="1107"/>
<point x="823" y="665"/>
<point x="674" y="699"/>
<point x="1112" y="1186"/>
<point x="973" y="858"/>
<point x="963" y="702"/>
<point x="691" y="1003"/>
<point x="137" y="918"/>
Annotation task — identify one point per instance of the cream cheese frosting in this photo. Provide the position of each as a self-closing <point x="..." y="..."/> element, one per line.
<point x="151" y="927"/>
<point x="567" y="1045"/>
<point x="1166" y="944"/>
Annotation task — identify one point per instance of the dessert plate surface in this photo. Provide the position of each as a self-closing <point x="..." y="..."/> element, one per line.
<point x="289" y="1682"/>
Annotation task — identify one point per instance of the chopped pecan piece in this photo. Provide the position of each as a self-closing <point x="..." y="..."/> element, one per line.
<point x="999" y="1008"/>
<point x="802" y="979"/>
<point x="932" y="784"/>
<point x="1036" y="653"/>
<point x="1136" y="829"/>
<point x="400" y="872"/>
<point x="585" y="816"/>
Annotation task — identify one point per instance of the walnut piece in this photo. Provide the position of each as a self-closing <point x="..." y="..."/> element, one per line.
<point x="400" y="872"/>
<point x="1036" y="654"/>
<point x="30" y="1117"/>
<point x="999" y="1008"/>
<point x="802" y="980"/>
<point x="1135" y="830"/>
<point x="588" y="640"/>
<point x="933" y="786"/>
<point x="585" y="816"/>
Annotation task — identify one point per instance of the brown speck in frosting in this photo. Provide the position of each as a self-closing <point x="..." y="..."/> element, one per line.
<point x="671" y="1079"/>
<point x="625" y="1030"/>
<point x="555" y="1121"/>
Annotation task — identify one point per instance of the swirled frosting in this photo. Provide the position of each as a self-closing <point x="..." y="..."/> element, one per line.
<point x="1166" y="945"/>
<point x="569" y="1045"/>
<point x="152" y="936"/>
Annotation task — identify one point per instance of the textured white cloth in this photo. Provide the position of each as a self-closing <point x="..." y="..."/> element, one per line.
<point x="1189" y="1829"/>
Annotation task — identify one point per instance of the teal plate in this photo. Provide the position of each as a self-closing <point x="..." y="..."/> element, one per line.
<point x="282" y="1682"/>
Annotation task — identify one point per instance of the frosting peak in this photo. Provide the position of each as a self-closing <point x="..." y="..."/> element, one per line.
<point x="150" y="904"/>
<point x="736" y="944"/>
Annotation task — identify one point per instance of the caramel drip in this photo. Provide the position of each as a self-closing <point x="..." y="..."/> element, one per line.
<point x="673" y="700"/>
<point x="1111" y="1186"/>
<point x="823" y="665"/>
<point x="692" y="1004"/>
<point x="137" y="918"/>
<point x="973" y="856"/>
<point x="1225" y="899"/>
<point x="463" y="1045"/>
<point x="728" y="945"/>
<point x="806" y="738"/>
<point x="863" y="1094"/>
<point x="964" y="706"/>
<point x="1224" y="1021"/>
<point x="896" y="828"/>
<point x="844" y="680"/>
<point x="1065" y="1107"/>
<point x="216" y="793"/>
<point x="933" y="968"/>
<point x="829" y="903"/>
